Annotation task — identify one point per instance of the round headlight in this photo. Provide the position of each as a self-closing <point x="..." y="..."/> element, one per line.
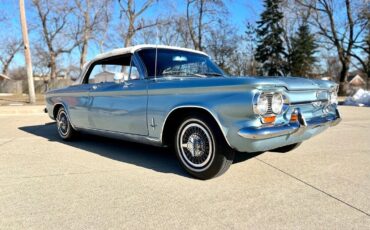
<point x="333" y="97"/>
<point x="261" y="105"/>
<point x="277" y="103"/>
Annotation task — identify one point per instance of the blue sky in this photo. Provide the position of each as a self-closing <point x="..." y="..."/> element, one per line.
<point x="239" y="13"/>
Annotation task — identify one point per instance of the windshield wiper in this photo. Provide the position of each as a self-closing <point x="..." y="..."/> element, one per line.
<point x="178" y="72"/>
<point x="211" y="74"/>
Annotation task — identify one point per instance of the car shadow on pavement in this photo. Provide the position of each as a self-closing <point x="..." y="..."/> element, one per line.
<point x="155" y="158"/>
<point x="241" y="157"/>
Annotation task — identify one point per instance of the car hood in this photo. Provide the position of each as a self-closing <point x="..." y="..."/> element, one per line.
<point x="295" y="83"/>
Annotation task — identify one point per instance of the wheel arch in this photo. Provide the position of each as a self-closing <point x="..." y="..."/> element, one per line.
<point x="56" y="108"/>
<point x="175" y="117"/>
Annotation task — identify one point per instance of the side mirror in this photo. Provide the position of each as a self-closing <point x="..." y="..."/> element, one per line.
<point x="120" y="77"/>
<point x="74" y="78"/>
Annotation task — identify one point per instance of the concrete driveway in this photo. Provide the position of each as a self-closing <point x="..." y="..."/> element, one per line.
<point x="98" y="183"/>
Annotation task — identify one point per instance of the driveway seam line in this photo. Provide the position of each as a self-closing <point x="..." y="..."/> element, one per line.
<point x="6" y="142"/>
<point x="314" y="187"/>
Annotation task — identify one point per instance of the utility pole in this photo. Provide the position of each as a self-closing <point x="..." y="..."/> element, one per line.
<point x="27" y="53"/>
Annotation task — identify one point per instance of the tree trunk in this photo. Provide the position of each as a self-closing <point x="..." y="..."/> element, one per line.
<point x="130" y="35"/>
<point x="83" y="53"/>
<point x="200" y="25"/>
<point x="190" y="26"/>
<point x="128" y="40"/>
<point x="343" y="78"/>
<point x="53" y="68"/>
<point x="6" y="69"/>
<point x="86" y="36"/>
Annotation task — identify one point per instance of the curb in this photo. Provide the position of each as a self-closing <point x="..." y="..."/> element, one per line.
<point x="22" y="109"/>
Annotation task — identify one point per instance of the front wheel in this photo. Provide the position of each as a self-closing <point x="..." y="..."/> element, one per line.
<point x="201" y="148"/>
<point x="65" y="129"/>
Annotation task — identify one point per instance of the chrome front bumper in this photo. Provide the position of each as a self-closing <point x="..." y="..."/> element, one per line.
<point x="293" y="128"/>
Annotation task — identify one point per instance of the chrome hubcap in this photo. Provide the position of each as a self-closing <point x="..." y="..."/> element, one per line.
<point x="196" y="145"/>
<point x="62" y="123"/>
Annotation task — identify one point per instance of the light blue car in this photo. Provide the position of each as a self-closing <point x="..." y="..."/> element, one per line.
<point x="169" y="96"/>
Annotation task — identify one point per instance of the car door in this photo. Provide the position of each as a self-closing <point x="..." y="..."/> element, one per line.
<point x="78" y="102"/>
<point x="119" y="104"/>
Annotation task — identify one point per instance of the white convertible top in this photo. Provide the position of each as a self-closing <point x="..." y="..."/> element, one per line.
<point x="132" y="49"/>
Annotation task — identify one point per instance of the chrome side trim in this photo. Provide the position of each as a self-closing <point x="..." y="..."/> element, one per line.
<point x="123" y="136"/>
<point x="307" y="102"/>
<point x="296" y="128"/>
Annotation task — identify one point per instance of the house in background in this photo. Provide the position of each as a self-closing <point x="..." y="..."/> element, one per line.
<point x="4" y="77"/>
<point x="8" y="85"/>
<point x="355" y="82"/>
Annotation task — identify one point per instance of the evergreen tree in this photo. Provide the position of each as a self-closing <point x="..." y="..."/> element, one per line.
<point x="367" y="51"/>
<point x="303" y="50"/>
<point x="270" y="50"/>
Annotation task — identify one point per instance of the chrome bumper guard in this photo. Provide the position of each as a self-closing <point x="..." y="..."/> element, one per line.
<point x="293" y="128"/>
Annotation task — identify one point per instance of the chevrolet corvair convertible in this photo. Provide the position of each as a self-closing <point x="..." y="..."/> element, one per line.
<point x="168" y="96"/>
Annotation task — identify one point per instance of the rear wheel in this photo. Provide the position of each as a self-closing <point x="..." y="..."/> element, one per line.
<point x="287" y="148"/>
<point x="201" y="148"/>
<point x="65" y="129"/>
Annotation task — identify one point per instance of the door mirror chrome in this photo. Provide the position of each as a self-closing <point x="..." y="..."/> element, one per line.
<point x="119" y="77"/>
<point x="74" y="78"/>
<point x="126" y="84"/>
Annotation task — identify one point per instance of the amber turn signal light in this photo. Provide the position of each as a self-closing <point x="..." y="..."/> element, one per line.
<point x="269" y="119"/>
<point x="294" y="117"/>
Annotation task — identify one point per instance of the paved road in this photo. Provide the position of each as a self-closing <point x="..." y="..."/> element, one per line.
<point x="98" y="183"/>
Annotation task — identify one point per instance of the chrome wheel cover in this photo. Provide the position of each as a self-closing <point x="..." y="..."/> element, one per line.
<point x="62" y="123"/>
<point x="196" y="146"/>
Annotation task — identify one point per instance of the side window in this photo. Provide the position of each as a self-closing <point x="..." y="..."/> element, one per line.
<point x="134" y="73"/>
<point x="116" y="69"/>
<point x="102" y="73"/>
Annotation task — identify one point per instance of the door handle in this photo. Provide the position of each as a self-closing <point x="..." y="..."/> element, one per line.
<point x="94" y="87"/>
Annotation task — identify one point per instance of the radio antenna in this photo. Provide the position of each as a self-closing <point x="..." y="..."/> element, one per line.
<point x="155" y="62"/>
<point x="156" y="54"/>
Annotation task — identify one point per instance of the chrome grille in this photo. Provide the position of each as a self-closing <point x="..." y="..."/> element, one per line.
<point x="269" y="99"/>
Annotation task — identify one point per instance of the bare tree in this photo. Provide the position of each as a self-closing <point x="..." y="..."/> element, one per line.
<point x="54" y="19"/>
<point x="134" y="19"/>
<point x="324" y="18"/>
<point x="11" y="40"/>
<point x="165" y="32"/>
<point x="92" y="19"/>
<point x="197" y="22"/>
<point x="182" y="30"/>
<point x="102" y="38"/>
<point x="364" y="45"/>
<point x="9" y="49"/>
<point x="222" y="45"/>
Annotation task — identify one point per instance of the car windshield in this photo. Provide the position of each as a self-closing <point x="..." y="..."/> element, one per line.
<point x="178" y="63"/>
